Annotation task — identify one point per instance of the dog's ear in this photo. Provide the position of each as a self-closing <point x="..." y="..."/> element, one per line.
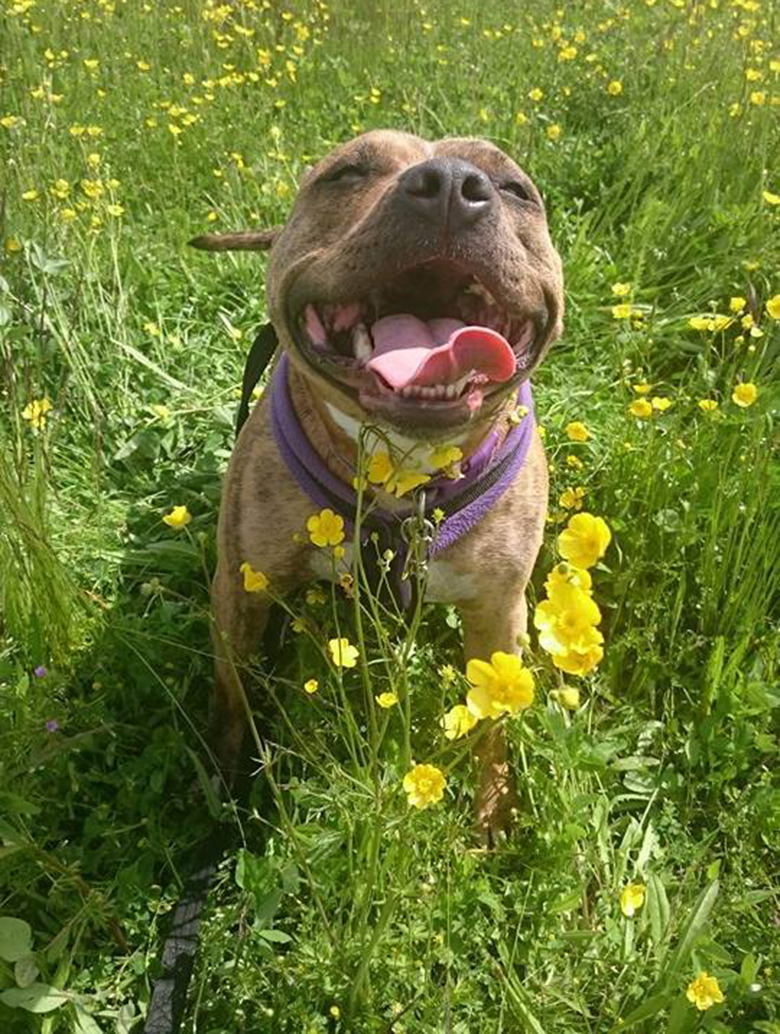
<point x="244" y="240"/>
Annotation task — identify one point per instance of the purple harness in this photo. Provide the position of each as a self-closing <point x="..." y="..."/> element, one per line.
<point x="487" y="474"/>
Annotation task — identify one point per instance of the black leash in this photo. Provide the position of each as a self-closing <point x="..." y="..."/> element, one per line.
<point x="260" y="355"/>
<point x="169" y="995"/>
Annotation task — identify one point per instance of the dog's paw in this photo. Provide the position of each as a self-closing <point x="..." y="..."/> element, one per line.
<point x="495" y="805"/>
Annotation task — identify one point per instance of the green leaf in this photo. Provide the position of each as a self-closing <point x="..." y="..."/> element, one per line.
<point x="657" y="908"/>
<point x="275" y="936"/>
<point x="206" y="785"/>
<point x="15" y="939"/>
<point x="26" y="971"/>
<point x="749" y="969"/>
<point x="646" y="1010"/>
<point x="35" y="998"/>
<point x="84" y="1022"/>
<point x="693" y="927"/>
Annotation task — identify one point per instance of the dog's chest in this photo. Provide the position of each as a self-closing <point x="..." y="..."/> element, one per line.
<point x="443" y="583"/>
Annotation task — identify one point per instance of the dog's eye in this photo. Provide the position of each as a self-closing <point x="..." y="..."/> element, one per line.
<point x="516" y="189"/>
<point x="346" y="174"/>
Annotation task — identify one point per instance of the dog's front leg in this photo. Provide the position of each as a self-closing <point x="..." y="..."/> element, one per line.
<point x="489" y="626"/>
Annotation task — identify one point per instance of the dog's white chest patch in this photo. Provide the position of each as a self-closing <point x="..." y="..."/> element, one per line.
<point x="444" y="585"/>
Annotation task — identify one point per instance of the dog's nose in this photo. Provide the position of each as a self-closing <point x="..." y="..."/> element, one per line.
<point x="447" y="191"/>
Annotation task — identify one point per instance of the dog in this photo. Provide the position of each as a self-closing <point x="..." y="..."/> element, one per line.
<point x="414" y="288"/>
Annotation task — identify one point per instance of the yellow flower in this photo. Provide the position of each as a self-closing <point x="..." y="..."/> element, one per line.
<point x="254" y="581"/>
<point x="315" y="597"/>
<point x="536" y="94"/>
<point x="566" y="621"/>
<point x="445" y="456"/>
<point x="311" y="685"/>
<point x="13" y="245"/>
<point x="737" y="303"/>
<point x="386" y="700"/>
<point x="554" y="132"/>
<point x="707" y="405"/>
<point x="625" y="311"/>
<point x="577" y="431"/>
<point x="632" y="898"/>
<point x="574" y="461"/>
<point x="179" y="517"/>
<point x="571" y="498"/>
<point x="661" y="403"/>
<point x="458" y="721"/>
<point x="335" y="1012"/>
<point x="424" y="785"/>
<point x="325" y="528"/>
<point x="566" y="574"/>
<point x="770" y="198"/>
<point x="567" y="696"/>
<point x="585" y="540"/>
<point x="30" y="195"/>
<point x="584" y="658"/>
<point x="615" y="88"/>
<point x="773" y="307"/>
<point x="9" y="121"/>
<point x="447" y="674"/>
<point x="342" y="653"/>
<point x="501" y="685"/>
<point x="36" y="411"/>
<point x="398" y="480"/>
<point x="704" y="992"/>
<point x="641" y="408"/>
<point x="745" y="394"/>
<point x="621" y="290"/>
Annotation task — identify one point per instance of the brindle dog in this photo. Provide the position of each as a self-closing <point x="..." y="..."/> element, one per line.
<point x="392" y="231"/>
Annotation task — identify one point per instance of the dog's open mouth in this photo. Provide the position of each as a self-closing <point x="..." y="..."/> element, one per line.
<point x="434" y="335"/>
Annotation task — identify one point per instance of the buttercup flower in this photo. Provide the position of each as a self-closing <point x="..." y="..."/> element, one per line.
<point x="704" y="992"/>
<point x="311" y="685"/>
<point x="566" y="574"/>
<point x="571" y="498"/>
<point x="632" y="898"/>
<point x="445" y="456"/>
<point x="566" y="621"/>
<point x="254" y="581"/>
<point x="386" y="700"/>
<point x="502" y="685"/>
<point x="707" y="405"/>
<point x="585" y="540"/>
<point x="625" y="311"/>
<point x="577" y="431"/>
<point x="641" y="408"/>
<point x="615" y="88"/>
<point x="178" y="518"/>
<point x="745" y="394"/>
<point x="36" y="411"/>
<point x="567" y="696"/>
<point x="773" y="307"/>
<point x="458" y="721"/>
<point x="342" y="653"/>
<point x="325" y="528"/>
<point x="737" y="303"/>
<point x="424" y="785"/>
<point x="621" y="290"/>
<point x="397" y="480"/>
<point x="770" y="198"/>
<point x="661" y="403"/>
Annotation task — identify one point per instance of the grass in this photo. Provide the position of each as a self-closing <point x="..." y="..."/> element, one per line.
<point x="125" y="129"/>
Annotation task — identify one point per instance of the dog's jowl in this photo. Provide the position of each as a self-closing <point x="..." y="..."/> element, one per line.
<point x="414" y="288"/>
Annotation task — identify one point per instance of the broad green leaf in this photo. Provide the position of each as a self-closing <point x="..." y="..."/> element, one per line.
<point x="26" y="971"/>
<point x="657" y="908"/>
<point x="35" y="998"/>
<point x="275" y="936"/>
<point x="693" y="927"/>
<point x="84" y="1022"/>
<point x="646" y="1010"/>
<point x="749" y="969"/>
<point x="15" y="939"/>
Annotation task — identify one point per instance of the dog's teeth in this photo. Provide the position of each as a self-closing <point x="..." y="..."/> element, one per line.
<point x="451" y="391"/>
<point x="362" y="345"/>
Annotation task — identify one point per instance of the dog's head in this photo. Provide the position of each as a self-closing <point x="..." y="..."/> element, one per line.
<point x="414" y="282"/>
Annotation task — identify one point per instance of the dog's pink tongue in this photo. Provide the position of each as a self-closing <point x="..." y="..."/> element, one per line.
<point x="409" y="351"/>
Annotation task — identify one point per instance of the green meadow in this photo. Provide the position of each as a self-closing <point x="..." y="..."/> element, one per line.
<point x="639" y="888"/>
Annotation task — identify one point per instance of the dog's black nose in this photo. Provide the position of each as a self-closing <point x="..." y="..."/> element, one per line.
<point x="447" y="191"/>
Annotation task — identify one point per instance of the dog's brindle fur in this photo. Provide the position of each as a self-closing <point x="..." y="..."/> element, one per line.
<point x="348" y="232"/>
